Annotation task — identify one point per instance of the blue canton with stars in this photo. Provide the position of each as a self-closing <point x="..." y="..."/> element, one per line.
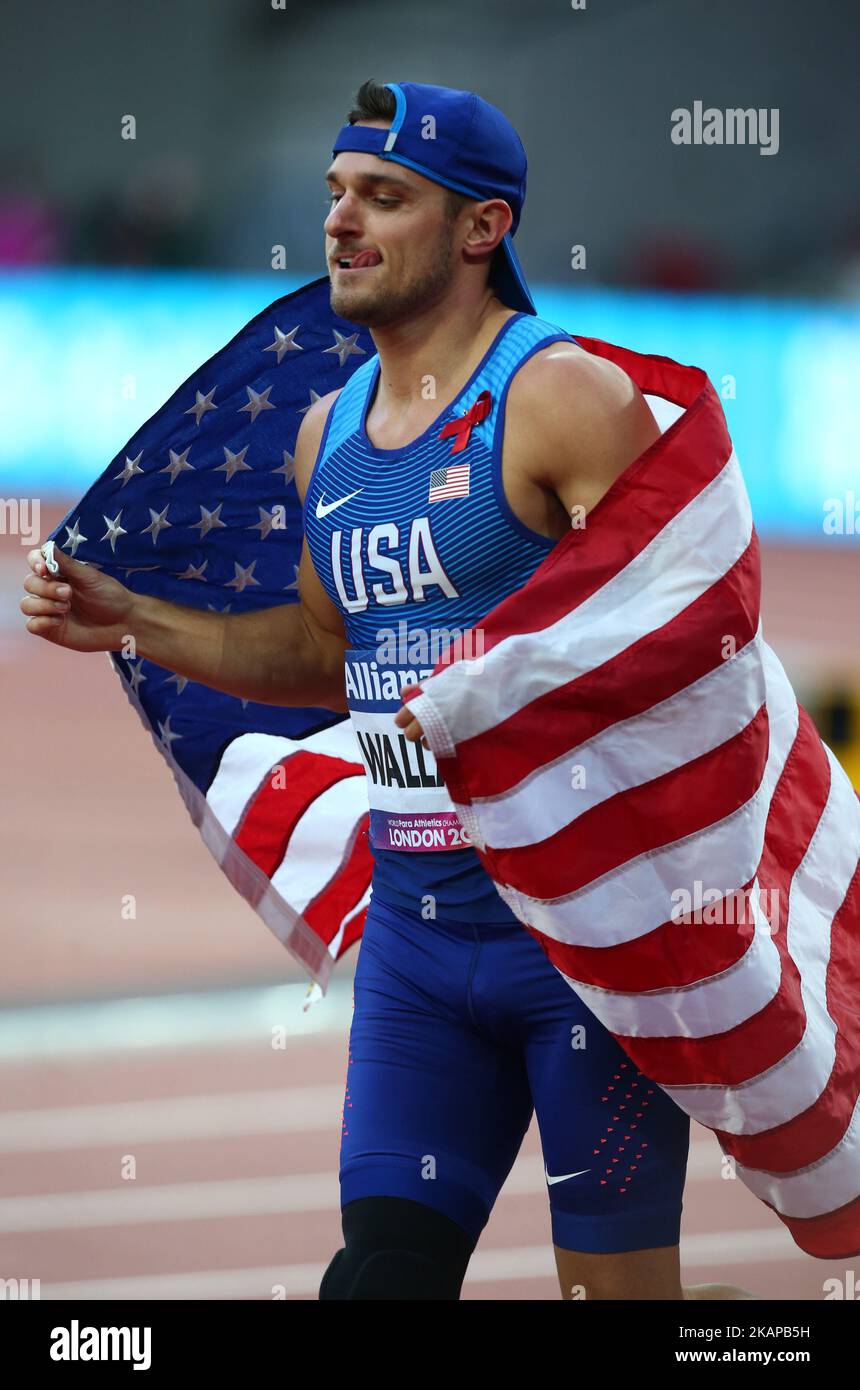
<point x="201" y="508"/>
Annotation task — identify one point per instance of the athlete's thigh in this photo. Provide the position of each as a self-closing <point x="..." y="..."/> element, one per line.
<point x="435" y="1110"/>
<point x="615" y="1145"/>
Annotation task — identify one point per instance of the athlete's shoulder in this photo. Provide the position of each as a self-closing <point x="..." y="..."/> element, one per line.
<point x="564" y="392"/>
<point x="309" y="436"/>
<point x="565" y="376"/>
<point x="316" y="415"/>
<point x="575" y="413"/>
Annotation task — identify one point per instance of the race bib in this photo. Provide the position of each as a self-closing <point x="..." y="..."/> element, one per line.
<point x="410" y="808"/>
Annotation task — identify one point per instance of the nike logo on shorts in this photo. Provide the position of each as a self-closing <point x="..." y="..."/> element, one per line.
<point x="323" y="508"/>
<point x="563" y="1177"/>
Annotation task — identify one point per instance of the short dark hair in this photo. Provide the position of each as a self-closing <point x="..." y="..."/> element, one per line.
<point x="374" y="102"/>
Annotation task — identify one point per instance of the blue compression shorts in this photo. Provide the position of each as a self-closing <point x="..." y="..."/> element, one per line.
<point x="459" y="1033"/>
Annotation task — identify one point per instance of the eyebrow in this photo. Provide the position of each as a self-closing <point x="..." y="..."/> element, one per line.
<point x="375" y="179"/>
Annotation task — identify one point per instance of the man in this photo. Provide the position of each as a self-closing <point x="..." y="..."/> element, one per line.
<point x="433" y="485"/>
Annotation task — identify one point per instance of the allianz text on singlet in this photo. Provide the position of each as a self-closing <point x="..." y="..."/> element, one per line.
<point x="414" y="546"/>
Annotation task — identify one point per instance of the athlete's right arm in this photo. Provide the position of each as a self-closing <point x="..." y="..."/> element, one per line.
<point x="291" y="654"/>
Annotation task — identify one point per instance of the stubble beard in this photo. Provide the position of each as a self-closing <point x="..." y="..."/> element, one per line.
<point x="379" y="308"/>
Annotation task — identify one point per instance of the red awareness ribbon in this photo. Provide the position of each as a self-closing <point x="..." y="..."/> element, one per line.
<point x="463" y="426"/>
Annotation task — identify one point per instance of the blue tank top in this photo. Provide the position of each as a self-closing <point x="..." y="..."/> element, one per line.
<point x="413" y="546"/>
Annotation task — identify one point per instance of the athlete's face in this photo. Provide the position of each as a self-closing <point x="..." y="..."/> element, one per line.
<point x="400" y="216"/>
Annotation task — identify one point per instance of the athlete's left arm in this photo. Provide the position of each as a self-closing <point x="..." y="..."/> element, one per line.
<point x="576" y="421"/>
<point x="580" y="421"/>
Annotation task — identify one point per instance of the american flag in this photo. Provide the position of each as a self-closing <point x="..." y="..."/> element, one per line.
<point x="633" y="767"/>
<point x="201" y="508"/>
<point x="452" y="481"/>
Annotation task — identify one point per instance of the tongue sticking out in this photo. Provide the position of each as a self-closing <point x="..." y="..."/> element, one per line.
<point x="365" y="258"/>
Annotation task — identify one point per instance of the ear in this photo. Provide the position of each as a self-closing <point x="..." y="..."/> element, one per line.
<point x="489" y="221"/>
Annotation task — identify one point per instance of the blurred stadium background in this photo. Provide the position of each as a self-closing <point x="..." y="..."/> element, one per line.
<point x="153" y="1142"/>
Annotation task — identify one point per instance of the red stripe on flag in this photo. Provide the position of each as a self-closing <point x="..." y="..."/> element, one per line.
<point x="834" y="1236"/>
<point x="344" y="890"/>
<point x="730" y="1058"/>
<point x="668" y="808"/>
<point x="823" y="1125"/>
<point x="762" y="1041"/>
<point x="272" y="813"/>
<point x="638" y="678"/>
<point x="676" y="953"/>
<point x="655" y="375"/>
<point x="671" y="956"/>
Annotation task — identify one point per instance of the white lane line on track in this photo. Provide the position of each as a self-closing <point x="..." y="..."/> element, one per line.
<point x="128" y="1204"/>
<point x="286" y="1110"/>
<point x="210" y="1018"/>
<point x="187" y="1201"/>
<point x="487" y="1266"/>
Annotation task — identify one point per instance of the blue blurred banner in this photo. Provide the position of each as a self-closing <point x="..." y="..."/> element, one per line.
<point x="87" y="357"/>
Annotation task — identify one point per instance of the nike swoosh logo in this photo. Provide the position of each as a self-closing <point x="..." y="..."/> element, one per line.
<point x="323" y="508"/>
<point x="563" y="1177"/>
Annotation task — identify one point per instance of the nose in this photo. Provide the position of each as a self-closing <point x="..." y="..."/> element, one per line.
<point x="342" y="219"/>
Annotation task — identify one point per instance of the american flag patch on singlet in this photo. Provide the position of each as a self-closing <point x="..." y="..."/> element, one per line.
<point x="452" y="481"/>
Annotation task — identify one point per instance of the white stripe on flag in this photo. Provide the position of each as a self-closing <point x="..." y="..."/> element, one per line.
<point x="317" y="845"/>
<point x="665" y="412"/>
<point x="733" y="996"/>
<point x="823" y="1186"/>
<point x="635" y="898"/>
<point x="250" y="757"/>
<point x="817" y="892"/>
<point x="629" y="753"/>
<point x="364" y="901"/>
